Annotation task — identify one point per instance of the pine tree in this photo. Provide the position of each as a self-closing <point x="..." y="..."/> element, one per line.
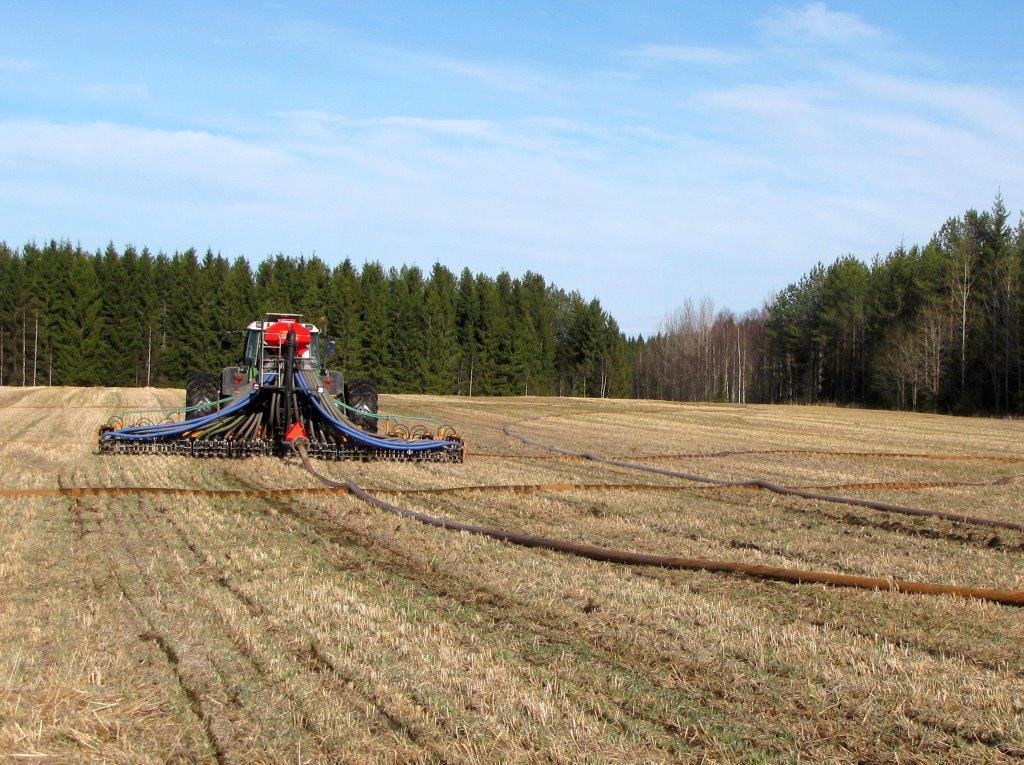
<point x="539" y="341"/>
<point x="147" y="317"/>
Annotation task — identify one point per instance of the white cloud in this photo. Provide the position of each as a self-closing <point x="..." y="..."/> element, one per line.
<point x="815" y="22"/>
<point x="115" y="91"/>
<point x="333" y="41"/>
<point x="773" y="101"/>
<point x="322" y="120"/>
<point x="896" y="149"/>
<point x="514" y="79"/>
<point x="810" y="177"/>
<point x="686" y="54"/>
<point x="730" y="190"/>
<point x="981" y="106"/>
<point x="16" y="65"/>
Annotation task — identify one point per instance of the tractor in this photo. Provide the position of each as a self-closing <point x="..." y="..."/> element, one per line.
<point x="262" y="354"/>
<point x="279" y="394"/>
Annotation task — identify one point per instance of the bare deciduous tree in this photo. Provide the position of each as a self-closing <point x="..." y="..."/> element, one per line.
<point x="963" y="273"/>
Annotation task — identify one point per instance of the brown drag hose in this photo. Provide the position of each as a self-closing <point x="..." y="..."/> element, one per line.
<point x="521" y="488"/>
<point x="625" y="557"/>
<point x="761" y="483"/>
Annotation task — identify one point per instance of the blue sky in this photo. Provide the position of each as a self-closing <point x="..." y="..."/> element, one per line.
<point x="642" y="153"/>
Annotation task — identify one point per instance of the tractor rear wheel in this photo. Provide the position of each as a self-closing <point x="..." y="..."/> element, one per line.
<point x="361" y="394"/>
<point x="202" y="391"/>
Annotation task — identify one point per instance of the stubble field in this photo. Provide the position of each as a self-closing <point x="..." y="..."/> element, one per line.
<point x="245" y="625"/>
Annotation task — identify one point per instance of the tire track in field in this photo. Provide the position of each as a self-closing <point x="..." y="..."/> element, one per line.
<point x="498" y="619"/>
<point x="707" y="541"/>
<point x="536" y="488"/>
<point x="208" y="684"/>
<point x="11" y="397"/>
<point x="821" y="517"/>
<point x="370" y="549"/>
<point x="182" y="678"/>
<point x="438" y="582"/>
<point x="97" y="568"/>
<point x="313" y="657"/>
<point x="202" y="570"/>
<point x="505" y="610"/>
<point x="985" y="741"/>
<point x="218" y="626"/>
<point x="760" y="483"/>
<point x="894" y="526"/>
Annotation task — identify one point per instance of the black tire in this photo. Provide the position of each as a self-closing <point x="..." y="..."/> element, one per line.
<point x="362" y="394"/>
<point x="201" y="388"/>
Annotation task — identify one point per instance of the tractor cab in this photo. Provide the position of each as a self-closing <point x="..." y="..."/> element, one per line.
<point x="264" y="341"/>
<point x="263" y="354"/>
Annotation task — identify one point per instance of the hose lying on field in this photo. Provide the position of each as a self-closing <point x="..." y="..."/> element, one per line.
<point x="796" y="576"/>
<point x="1003" y="458"/>
<point x="760" y="483"/>
<point x="508" y="488"/>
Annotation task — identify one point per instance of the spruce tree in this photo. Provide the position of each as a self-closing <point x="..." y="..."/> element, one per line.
<point x="440" y="341"/>
<point x="375" y="301"/>
<point x="467" y="328"/>
<point x="407" y="347"/>
<point x="343" y="319"/>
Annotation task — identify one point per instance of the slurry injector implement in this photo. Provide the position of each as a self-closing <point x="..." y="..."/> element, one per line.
<point x="281" y="393"/>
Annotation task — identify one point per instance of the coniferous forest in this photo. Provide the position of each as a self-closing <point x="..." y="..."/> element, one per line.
<point x="131" y="317"/>
<point x="935" y="327"/>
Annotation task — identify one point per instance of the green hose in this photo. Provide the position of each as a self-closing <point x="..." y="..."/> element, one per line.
<point x="386" y="415"/>
<point x="174" y="409"/>
<point x="221" y="427"/>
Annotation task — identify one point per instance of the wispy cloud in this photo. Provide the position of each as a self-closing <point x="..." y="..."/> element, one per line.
<point x="692" y="169"/>
<point x="896" y="146"/>
<point x="335" y="40"/>
<point x="514" y="79"/>
<point x="783" y="101"/>
<point x="452" y="127"/>
<point x="16" y="64"/>
<point x="686" y="54"/>
<point x="984" y="107"/>
<point x="816" y="23"/>
<point x="115" y="91"/>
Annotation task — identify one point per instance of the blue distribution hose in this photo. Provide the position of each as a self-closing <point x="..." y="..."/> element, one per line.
<point x="148" y="432"/>
<point x="361" y="437"/>
<point x="339" y="424"/>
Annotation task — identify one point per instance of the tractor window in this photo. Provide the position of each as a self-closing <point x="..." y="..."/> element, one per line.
<point x="252" y="346"/>
<point x="314" y="347"/>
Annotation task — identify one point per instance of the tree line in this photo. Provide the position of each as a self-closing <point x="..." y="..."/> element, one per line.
<point x="936" y="327"/>
<point x="130" y="317"/>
